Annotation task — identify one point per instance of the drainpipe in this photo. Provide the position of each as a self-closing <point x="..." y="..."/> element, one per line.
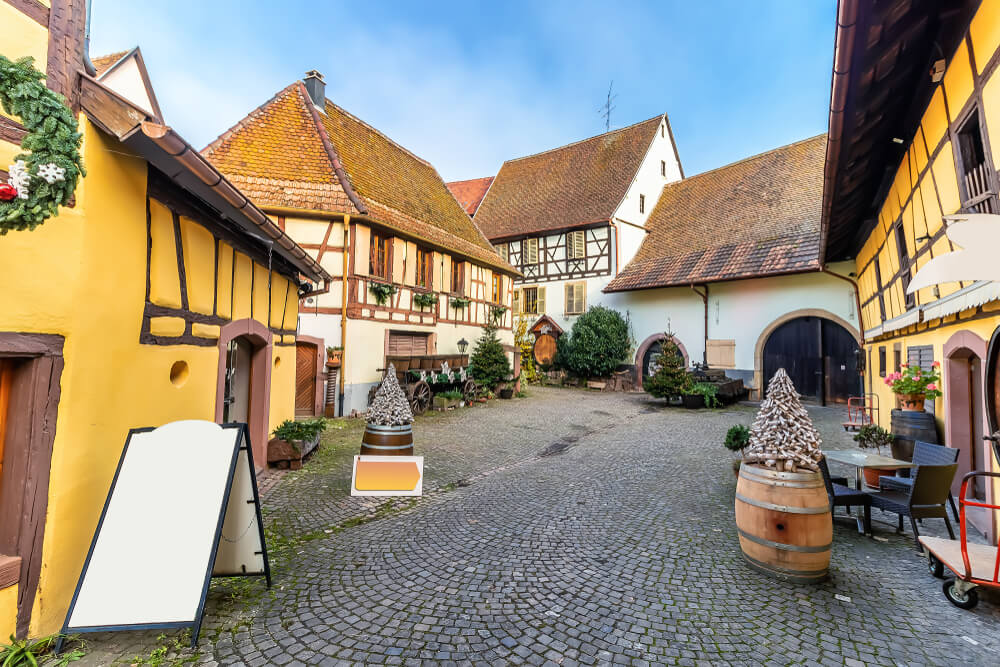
<point x="343" y="314"/>
<point x="704" y="298"/>
<point x="87" y="65"/>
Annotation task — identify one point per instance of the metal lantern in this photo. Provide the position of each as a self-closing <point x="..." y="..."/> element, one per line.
<point x="463" y="345"/>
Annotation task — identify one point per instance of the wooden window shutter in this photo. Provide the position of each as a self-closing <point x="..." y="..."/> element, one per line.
<point x="516" y="303"/>
<point x="575" y="296"/>
<point x="540" y="309"/>
<point x="721" y="353"/>
<point x="581" y="296"/>
<point x="502" y="251"/>
<point x="576" y="245"/>
<point x="531" y="251"/>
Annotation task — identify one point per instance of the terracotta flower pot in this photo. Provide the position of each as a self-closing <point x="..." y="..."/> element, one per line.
<point x="872" y="476"/>
<point x="912" y="402"/>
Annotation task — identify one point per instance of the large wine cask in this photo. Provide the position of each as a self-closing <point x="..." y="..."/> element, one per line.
<point x="784" y="523"/>
<point x="909" y="426"/>
<point x="387" y="440"/>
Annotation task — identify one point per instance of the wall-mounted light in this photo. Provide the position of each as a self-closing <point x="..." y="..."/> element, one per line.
<point x="897" y="140"/>
<point x="937" y="70"/>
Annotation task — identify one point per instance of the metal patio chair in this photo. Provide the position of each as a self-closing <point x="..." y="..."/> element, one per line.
<point x="842" y="495"/>
<point x="925" y="499"/>
<point x="924" y="453"/>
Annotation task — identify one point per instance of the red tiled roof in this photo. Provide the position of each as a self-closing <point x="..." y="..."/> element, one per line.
<point x="577" y="184"/>
<point x="103" y="63"/>
<point x="470" y="193"/>
<point x="277" y="155"/>
<point x="756" y="217"/>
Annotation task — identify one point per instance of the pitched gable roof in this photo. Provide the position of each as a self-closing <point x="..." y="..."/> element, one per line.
<point x="577" y="184"/>
<point x="103" y="63"/>
<point x="287" y="153"/>
<point x="470" y="193"/>
<point x="756" y="217"/>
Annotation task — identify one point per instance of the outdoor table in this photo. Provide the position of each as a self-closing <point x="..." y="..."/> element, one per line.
<point x="861" y="460"/>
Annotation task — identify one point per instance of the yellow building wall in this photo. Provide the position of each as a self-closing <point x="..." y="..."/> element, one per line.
<point x="82" y="275"/>
<point x="8" y="612"/>
<point x="926" y="188"/>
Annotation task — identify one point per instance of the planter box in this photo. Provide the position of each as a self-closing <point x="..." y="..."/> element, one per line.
<point x="442" y="403"/>
<point x="506" y="393"/>
<point x="281" y="454"/>
<point x="693" y="401"/>
<point x="599" y="385"/>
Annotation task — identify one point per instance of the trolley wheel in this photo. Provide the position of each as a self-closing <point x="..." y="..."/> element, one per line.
<point x="469" y="390"/>
<point x="966" y="600"/>
<point x="934" y="566"/>
<point x="420" y="397"/>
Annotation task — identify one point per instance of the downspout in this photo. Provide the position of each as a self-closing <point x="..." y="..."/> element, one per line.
<point x="343" y="314"/>
<point x="704" y="298"/>
<point x="87" y="65"/>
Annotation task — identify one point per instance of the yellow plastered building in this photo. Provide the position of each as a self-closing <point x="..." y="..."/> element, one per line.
<point x="161" y="293"/>
<point x="897" y="165"/>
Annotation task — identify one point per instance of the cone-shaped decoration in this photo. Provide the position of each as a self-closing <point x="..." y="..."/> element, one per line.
<point x="390" y="407"/>
<point x="783" y="436"/>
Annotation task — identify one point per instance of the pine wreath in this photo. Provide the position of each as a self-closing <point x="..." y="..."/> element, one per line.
<point x="44" y="176"/>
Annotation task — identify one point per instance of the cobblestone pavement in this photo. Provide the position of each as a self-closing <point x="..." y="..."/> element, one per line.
<point x="566" y="528"/>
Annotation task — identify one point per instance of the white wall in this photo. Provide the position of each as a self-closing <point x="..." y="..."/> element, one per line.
<point x="739" y="310"/>
<point x="649" y="181"/>
<point x="126" y="80"/>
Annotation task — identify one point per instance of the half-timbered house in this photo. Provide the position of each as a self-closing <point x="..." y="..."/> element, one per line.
<point x="413" y="273"/>
<point x="914" y="145"/>
<point x="571" y="217"/>
<point x="731" y="267"/>
<point x="160" y="293"/>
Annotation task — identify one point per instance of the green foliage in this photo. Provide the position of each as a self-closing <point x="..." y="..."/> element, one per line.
<point x="497" y="313"/>
<point x="306" y="429"/>
<point x="488" y="363"/>
<point x="425" y="299"/>
<point x="459" y="302"/>
<point x="597" y="343"/>
<point x="737" y="438"/>
<point x="525" y="345"/>
<point x="381" y="292"/>
<point x="53" y="138"/>
<point x="330" y="349"/>
<point x="706" y="389"/>
<point x="873" y="436"/>
<point x="451" y="395"/>
<point x="24" y="652"/>
<point x="671" y="378"/>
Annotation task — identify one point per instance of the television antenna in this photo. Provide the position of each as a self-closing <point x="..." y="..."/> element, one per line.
<point x="608" y="106"/>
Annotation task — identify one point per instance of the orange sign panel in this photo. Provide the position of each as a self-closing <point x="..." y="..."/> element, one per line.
<point x="387" y="476"/>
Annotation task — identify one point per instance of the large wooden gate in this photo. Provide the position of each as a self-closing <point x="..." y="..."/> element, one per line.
<point x="305" y="378"/>
<point x="819" y="355"/>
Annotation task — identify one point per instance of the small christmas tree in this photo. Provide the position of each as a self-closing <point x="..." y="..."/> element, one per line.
<point x="671" y="377"/>
<point x="488" y="364"/>
<point x="390" y="407"/>
<point x="783" y="436"/>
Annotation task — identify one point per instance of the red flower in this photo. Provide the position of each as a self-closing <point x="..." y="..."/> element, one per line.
<point x="7" y="192"/>
<point x="935" y="364"/>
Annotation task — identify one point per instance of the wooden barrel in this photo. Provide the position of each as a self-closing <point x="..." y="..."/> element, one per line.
<point x="909" y="426"/>
<point x="784" y="523"/>
<point x="387" y="440"/>
<point x="545" y="349"/>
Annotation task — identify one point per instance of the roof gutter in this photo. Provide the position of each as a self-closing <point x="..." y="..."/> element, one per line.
<point x="88" y="66"/>
<point x="843" y="53"/>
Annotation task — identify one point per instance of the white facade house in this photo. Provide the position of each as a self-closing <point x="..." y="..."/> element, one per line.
<point x="571" y="217"/>
<point x="731" y="268"/>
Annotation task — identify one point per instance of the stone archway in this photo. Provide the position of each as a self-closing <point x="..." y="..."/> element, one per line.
<point x="260" y="340"/>
<point x="965" y="420"/>
<point x="758" y="354"/>
<point x="644" y="348"/>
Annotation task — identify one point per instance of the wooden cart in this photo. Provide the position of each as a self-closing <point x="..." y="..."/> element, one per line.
<point x="973" y="564"/>
<point x="423" y="375"/>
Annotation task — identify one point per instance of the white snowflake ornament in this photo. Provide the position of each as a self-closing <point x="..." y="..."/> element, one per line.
<point x="19" y="178"/>
<point x="51" y="173"/>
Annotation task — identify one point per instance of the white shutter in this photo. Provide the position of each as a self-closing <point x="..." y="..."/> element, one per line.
<point x="531" y="251"/>
<point x="576" y="245"/>
<point x="540" y="309"/>
<point x="575" y="298"/>
<point x="502" y="251"/>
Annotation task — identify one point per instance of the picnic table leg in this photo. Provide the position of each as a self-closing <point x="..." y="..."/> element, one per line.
<point x="858" y="481"/>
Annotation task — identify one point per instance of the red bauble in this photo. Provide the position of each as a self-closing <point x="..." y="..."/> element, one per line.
<point x="7" y="192"/>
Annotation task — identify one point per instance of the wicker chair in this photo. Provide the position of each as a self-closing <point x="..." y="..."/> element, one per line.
<point x="924" y="453"/>
<point x="925" y="499"/>
<point x="842" y="495"/>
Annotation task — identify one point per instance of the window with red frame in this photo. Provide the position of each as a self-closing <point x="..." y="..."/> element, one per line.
<point x="378" y="257"/>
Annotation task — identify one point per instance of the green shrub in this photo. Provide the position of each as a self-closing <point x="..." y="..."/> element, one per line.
<point x="873" y="436"/>
<point x="706" y="389"/>
<point x="451" y="395"/>
<point x="737" y="438"/>
<point x="671" y="379"/>
<point x="488" y="364"/>
<point x="425" y="299"/>
<point x="306" y="429"/>
<point x="597" y="343"/>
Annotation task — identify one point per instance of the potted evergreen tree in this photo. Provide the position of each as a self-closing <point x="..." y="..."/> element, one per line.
<point x="737" y="439"/>
<point x="488" y="364"/>
<point x="873" y="436"/>
<point x="671" y="379"/>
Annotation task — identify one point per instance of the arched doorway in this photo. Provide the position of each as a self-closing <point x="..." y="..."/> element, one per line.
<point x="965" y="419"/>
<point x="649" y="350"/>
<point x="819" y="354"/>
<point x="243" y="390"/>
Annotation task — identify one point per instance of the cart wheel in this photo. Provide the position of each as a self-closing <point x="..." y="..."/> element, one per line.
<point x="420" y="397"/>
<point x="966" y="600"/>
<point x="469" y="390"/>
<point x="934" y="566"/>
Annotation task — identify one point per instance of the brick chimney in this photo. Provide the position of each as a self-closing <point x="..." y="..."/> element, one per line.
<point x="316" y="87"/>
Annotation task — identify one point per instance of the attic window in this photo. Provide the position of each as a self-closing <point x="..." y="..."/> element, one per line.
<point x="975" y="171"/>
<point x="662" y="130"/>
<point x="576" y="245"/>
<point x="642" y="203"/>
<point x="529" y="251"/>
<point x="502" y="251"/>
<point x="904" y="266"/>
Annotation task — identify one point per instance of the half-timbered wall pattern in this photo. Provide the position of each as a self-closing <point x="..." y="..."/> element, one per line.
<point x="582" y="253"/>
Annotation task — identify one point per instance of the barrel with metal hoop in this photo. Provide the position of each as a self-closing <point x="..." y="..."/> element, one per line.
<point x="784" y="523"/>
<point x="387" y="440"/>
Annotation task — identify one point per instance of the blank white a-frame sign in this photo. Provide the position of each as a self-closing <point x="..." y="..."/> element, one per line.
<point x="183" y="507"/>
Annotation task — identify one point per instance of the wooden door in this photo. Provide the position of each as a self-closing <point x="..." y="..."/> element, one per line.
<point x="819" y="355"/>
<point x="840" y="363"/>
<point x="239" y="360"/>
<point x="305" y="379"/>
<point x="545" y="349"/>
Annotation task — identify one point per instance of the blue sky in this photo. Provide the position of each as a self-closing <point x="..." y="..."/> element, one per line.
<point x="469" y="84"/>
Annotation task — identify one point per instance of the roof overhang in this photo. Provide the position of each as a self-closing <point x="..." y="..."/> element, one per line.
<point x="166" y="150"/>
<point x="550" y="230"/>
<point x="881" y="85"/>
